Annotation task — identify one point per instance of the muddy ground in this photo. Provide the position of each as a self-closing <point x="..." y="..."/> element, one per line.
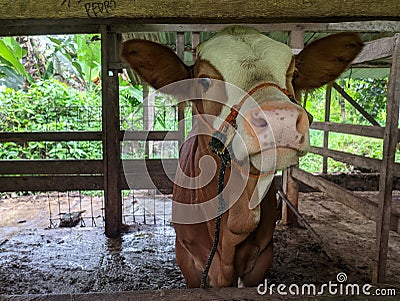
<point x="36" y="260"/>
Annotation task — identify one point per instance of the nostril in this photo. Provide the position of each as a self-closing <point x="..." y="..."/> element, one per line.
<point x="259" y="122"/>
<point x="302" y="123"/>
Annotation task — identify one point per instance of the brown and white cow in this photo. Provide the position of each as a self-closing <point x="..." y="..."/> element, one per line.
<point x="272" y="131"/>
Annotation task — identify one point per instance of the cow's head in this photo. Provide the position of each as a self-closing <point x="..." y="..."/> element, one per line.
<point x="272" y="125"/>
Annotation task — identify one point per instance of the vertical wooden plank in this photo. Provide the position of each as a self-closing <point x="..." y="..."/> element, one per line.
<point x="148" y="116"/>
<point x="180" y="45"/>
<point x="145" y="90"/>
<point x="386" y="172"/>
<point x="328" y="99"/>
<point x="195" y="43"/>
<point x="111" y="129"/>
<point x="180" y="51"/>
<point x="291" y="189"/>
<point x="296" y="38"/>
<point x="290" y="185"/>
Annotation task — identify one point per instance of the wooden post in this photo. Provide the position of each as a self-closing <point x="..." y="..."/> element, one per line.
<point x="148" y="116"/>
<point x="386" y="172"/>
<point x="290" y="185"/>
<point x="328" y="99"/>
<point x="111" y="129"/>
<point x="195" y="43"/>
<point x="180" y="51"/>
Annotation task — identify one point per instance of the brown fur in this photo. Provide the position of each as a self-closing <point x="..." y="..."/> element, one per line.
<point x="153" y="62"/>
<point x="324" y="60"/>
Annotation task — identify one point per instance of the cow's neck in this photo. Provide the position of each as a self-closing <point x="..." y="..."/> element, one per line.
<point x="238" y="188"/>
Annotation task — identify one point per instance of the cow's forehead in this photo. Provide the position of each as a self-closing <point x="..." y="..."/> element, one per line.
<point x="246" y="57"/>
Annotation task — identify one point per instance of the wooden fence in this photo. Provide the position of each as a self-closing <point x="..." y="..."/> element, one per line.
<point x="387" y="217"/>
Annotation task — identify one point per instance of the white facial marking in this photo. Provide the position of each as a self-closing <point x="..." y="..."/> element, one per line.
<point x="247" y="57"/>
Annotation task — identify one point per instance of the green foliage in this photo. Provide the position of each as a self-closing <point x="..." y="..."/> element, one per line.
<point x="12" y="71"/>
<point x="80" y="55"/>
<point x="74" y="58"/>
<point x="371" y="95"/>
<point x="368" y="93"/>
<point x="49" y="106"/>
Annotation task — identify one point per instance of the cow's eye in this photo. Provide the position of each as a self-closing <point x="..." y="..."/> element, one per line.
<point x="205" y="82"/>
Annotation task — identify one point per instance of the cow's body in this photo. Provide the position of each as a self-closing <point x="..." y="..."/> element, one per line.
<point x="246" y="234"/>
<point x="272" y="132"/>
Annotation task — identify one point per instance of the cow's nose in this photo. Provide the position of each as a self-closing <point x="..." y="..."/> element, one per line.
<point x="287" y="124"/>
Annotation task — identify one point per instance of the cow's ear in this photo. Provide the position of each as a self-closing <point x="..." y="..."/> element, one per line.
<point x="325" y="59"/>
<point x="158" y="65"/>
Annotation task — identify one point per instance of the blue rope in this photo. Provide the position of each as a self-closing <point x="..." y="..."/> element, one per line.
<point x="224" y="156"/>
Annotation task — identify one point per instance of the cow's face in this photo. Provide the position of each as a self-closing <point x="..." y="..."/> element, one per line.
<point x="272" y="130"/>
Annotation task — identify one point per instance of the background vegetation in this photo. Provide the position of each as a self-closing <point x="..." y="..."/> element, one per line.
<point x="371" y="95"/>
<point x="53" y="84"/>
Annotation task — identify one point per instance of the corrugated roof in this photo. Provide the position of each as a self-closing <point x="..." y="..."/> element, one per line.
<point x="360" y="73"/>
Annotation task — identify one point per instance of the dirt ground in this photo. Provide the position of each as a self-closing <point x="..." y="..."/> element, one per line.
<point x="37" y="260"/>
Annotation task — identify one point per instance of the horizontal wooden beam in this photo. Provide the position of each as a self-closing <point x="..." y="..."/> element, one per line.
<point x="51" y="167"/>
<point x="362" y="205"/>
<point x="69" y="183"/>
<point x="149" y="174"/>
<point x="134" y="167"/>
<point x="149" y="135"/>
<point x="352" y="159"/>
<point x="352" y="129"/>
<point x="20" y="137"/>
<point x="49" y="136"/>
<point x="46" y="27"/>
<point x="350" y="181"/>
<point x="74" y="26"/>
<point x="83" y="167"/>
<point x="202" y="11"/>
<point x="214" y="294"/>
<point x="376" y="50"/>
<point x="50" y="183"/>
<point x="160" y="182"/>
<point x="53" y="175"/>
<point x="363" y="26"/>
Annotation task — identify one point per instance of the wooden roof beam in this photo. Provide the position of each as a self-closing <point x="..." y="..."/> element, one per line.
<point x="200" y="11"/>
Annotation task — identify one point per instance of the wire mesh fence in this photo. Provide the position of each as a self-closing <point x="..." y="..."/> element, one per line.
<point x="146" y="207"/>
<point x="55" y="209"/>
